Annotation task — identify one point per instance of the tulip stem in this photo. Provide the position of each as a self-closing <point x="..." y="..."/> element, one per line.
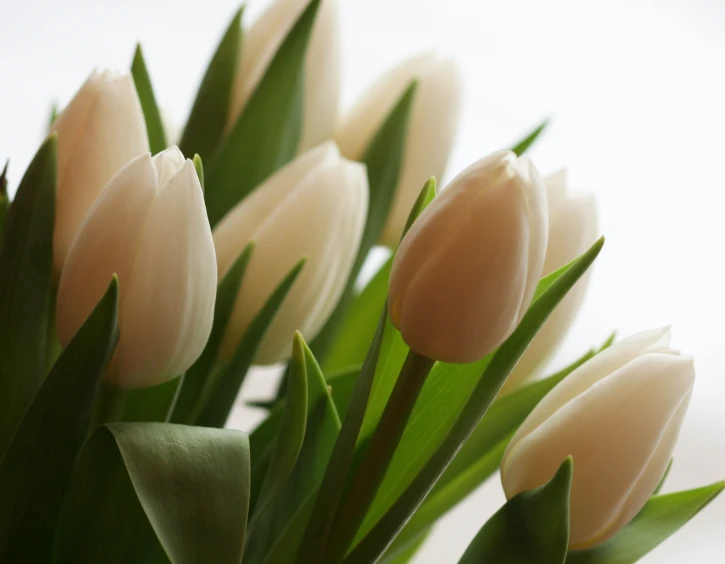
<point x="109" y="407"/>
<point x="378" y="454"/>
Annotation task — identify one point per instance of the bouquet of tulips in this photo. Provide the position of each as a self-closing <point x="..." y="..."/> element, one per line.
<point x="140" y="280"/>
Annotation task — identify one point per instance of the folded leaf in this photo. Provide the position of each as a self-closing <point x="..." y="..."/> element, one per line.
<point x="532" y="526"/>
<point x="660" y="518"/>
<point x="290" y="508"/>
<point x="143" y="490"/>
<point x="267" y="133"/>
<point x="26" y="283"/>
<point x="151" y="114"/>
<point x="208" y="118"/>
<point x="36" y="467"/>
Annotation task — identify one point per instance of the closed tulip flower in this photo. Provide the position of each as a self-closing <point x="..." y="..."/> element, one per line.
<point x="100" y="130"/>
<point x="431" y="130"/>
<point x="149" y="226"/>
<point x="314" y="207"/>
<point x="618" y="416"/>
<point x="466" y="272"/>
<point x="572" y="230"/>
<point x="322" y="65"/>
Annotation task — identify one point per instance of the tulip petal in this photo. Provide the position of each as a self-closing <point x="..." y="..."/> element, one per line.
<point x="616" y="424"/>
<point x="603" y="364"/>
<point x="106" y="243"/>
<point x="167" y="316"/>
<point x="101" y="130"/>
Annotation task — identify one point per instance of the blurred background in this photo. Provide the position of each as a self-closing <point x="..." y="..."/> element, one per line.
<point x="636" y="92"/>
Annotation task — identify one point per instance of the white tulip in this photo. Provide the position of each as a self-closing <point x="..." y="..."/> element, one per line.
<point x="100" y="130"/>
<point x="314" y="207"/>
<point x="572" y="230"/>
<point x="149" y="226"/>
<point x="431" y="129"/>
<point x="322" y="65"/>
<point x="618" y="416"/>
<point x="466" y="272"/>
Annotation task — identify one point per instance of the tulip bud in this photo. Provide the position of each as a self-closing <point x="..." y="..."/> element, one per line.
<point x="431" y="129"/>
<point x="466" y="272"/>
<point x="618" y="416"/>
<point x="100" y="130"/>
<point x="314" y="207"/>
<point x="149" y="226"/>
<point x="572" y="230"/>
<point x="322" y="65"/>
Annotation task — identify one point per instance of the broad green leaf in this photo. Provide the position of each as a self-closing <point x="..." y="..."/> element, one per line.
<point x="317" y="532"/>
<point x="522" y="146"/>
<point x="660" y="518"/>
<point x="209" y="114"/>
<point x="292" y="430"/>
<point x="37" y="465"/>
<point x="405" y="553"/>
<point x="196" y="378"/>
<point x="151" y="114"/>
<point x="173" y="489"/>
<point x="288" y="510"/>
<point x="26" y="283"/>
<point x="383" y="159"/>
<point x="532" y="526"/>
<point x="405" y="492"/>
<point x="267" y="133"/>
<point x="342" y="384"/>
<point x="223" y="393"/>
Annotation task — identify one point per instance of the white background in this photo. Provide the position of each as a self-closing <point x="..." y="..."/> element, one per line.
<point x="637" y="94"/>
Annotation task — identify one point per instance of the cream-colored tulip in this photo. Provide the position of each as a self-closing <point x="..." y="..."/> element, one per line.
<point x="100" y="130"/>
<point x="618" y="416"/>
<point x="149" y="226"/>
<point x="466" y="272"/>
<point x="314" y="207"/>
<point x="572" y="230"/>
<point x="322" y="65"/>
<point x="431" y="130"/>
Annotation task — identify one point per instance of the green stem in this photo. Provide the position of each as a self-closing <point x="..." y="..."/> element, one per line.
<point x="109" y="406"/>
<point x="378" y="454"/>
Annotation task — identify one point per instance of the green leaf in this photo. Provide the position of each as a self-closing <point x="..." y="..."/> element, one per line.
<point x="173" y="487"/>
<point x="405" y="554"/>
<point x="37" y="465"/>
<point x="357" y="330"/>
<point x="26" y="283"/>
<point x="199" y="170"/>
<point x="664" y="478"/>
<point x="404" y="496"/>
<point x="383" y="159"/>
<point x="288" y="511"/>
<point x="208" y="118"/>
<point x="150" y="404"/>
<point x="522" y="146"/>
<point x="425" y="197"/>
<point x="532" y="526"/>
<point x="224" y="391"/>
<point x="267" y="133"/>
<point x="660" y="518"/>
<point x="195" y="381"/>
<point x="154" y="123"/>
<point x="292" y="431"/>
<point x="480" y="456"/>
<point x="317" y="533"/>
